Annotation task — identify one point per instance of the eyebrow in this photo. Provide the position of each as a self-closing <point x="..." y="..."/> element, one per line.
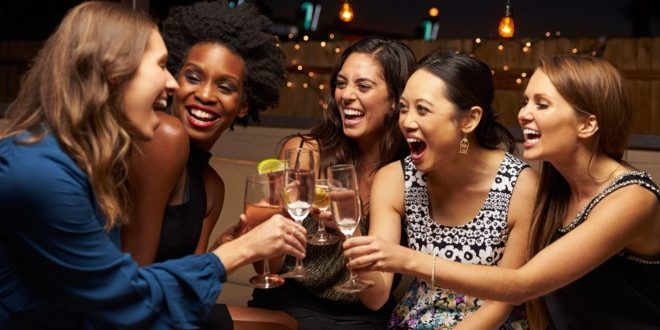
<point x="222" y="77"/>
<point x="362" y="79"/>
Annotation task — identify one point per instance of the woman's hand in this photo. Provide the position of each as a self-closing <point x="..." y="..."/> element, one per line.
<point x="274" y="237"/>
<point x="370" y="253"/>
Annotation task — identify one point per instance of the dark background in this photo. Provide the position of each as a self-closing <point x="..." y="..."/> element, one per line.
<point x="35" y="20"/>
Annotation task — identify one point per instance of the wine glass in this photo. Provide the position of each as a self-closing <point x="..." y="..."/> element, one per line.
<point x="322" y="202"/>
<point x="346" y="211"/>
<point x="263" y="199"/>
<point x="298" y="193"/>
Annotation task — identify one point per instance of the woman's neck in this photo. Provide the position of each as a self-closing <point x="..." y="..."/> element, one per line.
<point x="459" y="171"/>
<point x="588" y="173"/>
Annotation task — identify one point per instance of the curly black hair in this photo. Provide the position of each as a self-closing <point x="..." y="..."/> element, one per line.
<point x="243" y="30"/>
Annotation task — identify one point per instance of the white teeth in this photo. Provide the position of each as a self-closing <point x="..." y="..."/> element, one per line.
<point x="530" y="131"/>
<point x="413" y="140"/>
<point x="202" y="114"/>
<point x="160" y="104"/>
<point x="351" y="112"/>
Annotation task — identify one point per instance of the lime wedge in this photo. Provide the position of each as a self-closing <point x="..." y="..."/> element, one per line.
<point x="270" y="165"/>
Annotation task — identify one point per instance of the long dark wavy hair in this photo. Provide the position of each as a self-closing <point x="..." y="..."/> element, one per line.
<point x="397" y="62"/>
<point x="468" y="83"/>
<point x="591" y="86"/>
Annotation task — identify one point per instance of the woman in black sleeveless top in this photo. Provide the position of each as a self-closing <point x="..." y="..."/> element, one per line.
<point x="595" y="235"/>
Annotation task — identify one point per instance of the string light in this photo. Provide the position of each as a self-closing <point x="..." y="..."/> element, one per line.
<point x="507" y="28"/>
<point x="296" y="46"/>
<point x="305" y="85"/>
<point x="505" y="68"/>
<point x="331" y="36"/>
<point x="323" y="43"/>
<point x="300" y="67"/>
<point x="525" y="49"/>
<point x="321" y="87"/>
<point x="518" y="81"/>
<point x="290" y="35"/>
<point x="346" y="12"/>
<point x="311" y="74"/>
<point x="574" y="50"/>
<point x="528" y="44"/>
<point x="478" y="40"/>
<point x="500" y="47"/>
<point x="337" y="50"/>
<point x="305" y="37"/>
<point x="548" y="34"/>
<point x="289" y="84"/>
<point x="524" y="74"/>
<point x="433" y="12"/>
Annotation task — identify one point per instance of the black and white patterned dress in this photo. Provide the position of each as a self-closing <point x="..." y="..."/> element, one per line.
<point x="480" y="241"/>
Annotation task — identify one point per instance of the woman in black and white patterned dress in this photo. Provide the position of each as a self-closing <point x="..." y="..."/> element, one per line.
<point x="595" y="234"/>
<point x="461" y="197"/>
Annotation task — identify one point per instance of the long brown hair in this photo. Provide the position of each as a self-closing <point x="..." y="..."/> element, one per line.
<point x="397" y="62"/>
<point x="74" y="90"/>
<point x="591" y="86"/>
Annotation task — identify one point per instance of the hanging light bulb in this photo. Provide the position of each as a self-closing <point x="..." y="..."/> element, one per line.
<point x="506" y="29"/>
<point x="346" y="12"/>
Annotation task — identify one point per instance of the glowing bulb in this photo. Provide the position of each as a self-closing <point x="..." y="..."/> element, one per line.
<point x="478" y="40"/>
<point x="321" y="87"/>
<point x="524" y="74"/>
<point x="492" y="72"/>
<point x="337" y="50"/>
<point x="346" y="12"/>
<point x="289" y="84"/>
<point x="311" y="74"/>
<point x="305" y="37"/>
<point x="290" y="36"/>
<point x="305" y="85"/>
<point x="331" y="36"/>
<point x="433" y="12"/>
<point x="506" y="29"/>
<point x="300" y="67"/>
<point x="547" y="34"/>
<point x="505" y="68"/>
<point x="323" y="43"/>
<point x="525" y="49"/>
<point x="296" y="46"/>
<point x="574" y="50"/>
<point x="518" y="81"/>
<point x="528" y="44"/>
<point x="500" y="47"/>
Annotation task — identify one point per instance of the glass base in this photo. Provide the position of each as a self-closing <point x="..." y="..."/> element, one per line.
<point x="322" y="238"/>
<point x="264" y="281"/>
<point x="298" y="272"/>
<point x="354" y="285"/>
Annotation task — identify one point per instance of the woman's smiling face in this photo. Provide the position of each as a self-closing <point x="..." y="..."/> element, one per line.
<point x="210" y="93"/>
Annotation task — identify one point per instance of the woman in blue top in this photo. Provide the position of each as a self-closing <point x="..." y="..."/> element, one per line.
<point x="93" y="88"/>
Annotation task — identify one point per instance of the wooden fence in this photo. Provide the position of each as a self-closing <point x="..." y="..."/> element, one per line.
<point x="310" y="65"/>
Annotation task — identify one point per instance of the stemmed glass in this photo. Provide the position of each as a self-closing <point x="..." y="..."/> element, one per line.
<point x="322" y="202"/>
<point x="263" y="199"/>
<point x="298" y="192"/>
<point x="346" y="211"/>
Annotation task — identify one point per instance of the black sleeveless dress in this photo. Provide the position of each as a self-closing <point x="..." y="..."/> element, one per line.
<point x="621" y="293"/>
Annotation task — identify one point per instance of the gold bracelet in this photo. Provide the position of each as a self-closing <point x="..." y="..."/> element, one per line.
<point x="433" y="272"/>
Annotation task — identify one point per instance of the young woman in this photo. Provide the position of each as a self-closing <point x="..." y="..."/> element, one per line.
<point x="461" y="197"/>
<point x="94" y="87"/>
<point x="594" y="247"/>
<point x="228" y="66"/>
<point x="359" y="127"/>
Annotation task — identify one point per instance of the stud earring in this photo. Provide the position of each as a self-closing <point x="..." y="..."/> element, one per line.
<point x="464" y="145"/>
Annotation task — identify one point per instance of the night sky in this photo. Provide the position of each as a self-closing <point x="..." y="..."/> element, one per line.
<point x="34" y="20"/>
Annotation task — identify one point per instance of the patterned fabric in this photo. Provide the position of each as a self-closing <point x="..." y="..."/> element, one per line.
<point x="481" y="241"/>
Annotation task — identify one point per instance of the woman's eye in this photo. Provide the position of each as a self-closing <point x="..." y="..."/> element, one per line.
<point x="422" y="109"/>
<point x="341" y="84"/>
<point x="541" y="106"/>
<point x="227" y="89"/>
<point x="192" y="77"/>
<point x="523" y="101"/>
<point x="401" y="107"/>
<point x="364" y="88"/>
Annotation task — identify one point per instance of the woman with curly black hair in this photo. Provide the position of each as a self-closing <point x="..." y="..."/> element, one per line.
<point x="228" y="67"/>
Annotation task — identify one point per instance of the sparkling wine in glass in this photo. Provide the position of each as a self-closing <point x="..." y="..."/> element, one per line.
<point x="322" y="203"/>
<point x="298" y="199"/>
<point x="263" y="199"/>
<point x="346" y="212"/>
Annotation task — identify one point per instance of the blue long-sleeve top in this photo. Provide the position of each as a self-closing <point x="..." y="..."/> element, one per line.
<point x="60" y="268"/>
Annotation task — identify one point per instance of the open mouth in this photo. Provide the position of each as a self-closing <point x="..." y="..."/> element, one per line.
<point x="352" y="117"/>
<point x="531" y="135"/>
<point x="201" y="118"/>
<point x="160" y="104"/>
<point x="417" y="147"/>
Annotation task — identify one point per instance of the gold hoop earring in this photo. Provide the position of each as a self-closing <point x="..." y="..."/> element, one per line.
<point x="464" y="145"/>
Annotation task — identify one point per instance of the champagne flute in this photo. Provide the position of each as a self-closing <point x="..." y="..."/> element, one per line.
<point x="346" y="211"/>
<point x="298" y="193"/>
<point x="322" y="202"/>
<point x="263" y="199"/>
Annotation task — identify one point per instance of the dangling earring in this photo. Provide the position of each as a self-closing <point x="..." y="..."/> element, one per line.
<point x="464" y="145"/>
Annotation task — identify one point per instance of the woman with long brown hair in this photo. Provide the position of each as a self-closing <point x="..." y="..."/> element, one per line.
<point x="594" y="256"/>
<point x="359" y="128"/>
<point x="92" y="89"/>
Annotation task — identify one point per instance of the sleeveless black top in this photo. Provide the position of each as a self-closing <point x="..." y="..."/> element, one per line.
<point x="621" y="293"/>
<point x="182" y="223"/>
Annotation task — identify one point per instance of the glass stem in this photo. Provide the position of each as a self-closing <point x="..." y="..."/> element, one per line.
<point x="321" y="229"/>
<point x="266" y="268"/>
<point x="352" y="276"/>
